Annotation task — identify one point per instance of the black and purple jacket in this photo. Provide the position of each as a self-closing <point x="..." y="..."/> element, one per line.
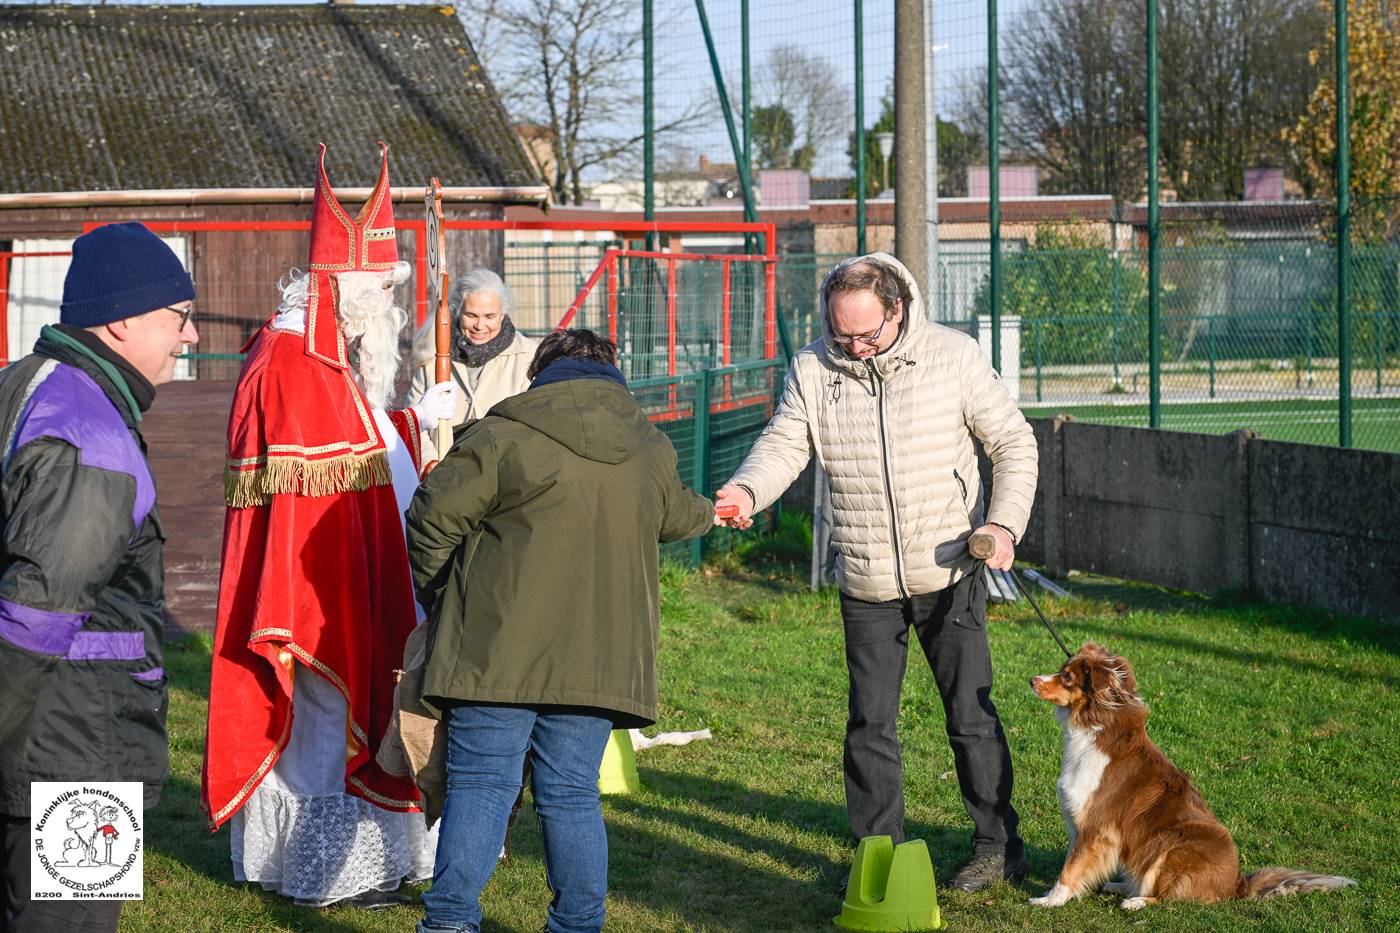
<point x="82" y="688"/>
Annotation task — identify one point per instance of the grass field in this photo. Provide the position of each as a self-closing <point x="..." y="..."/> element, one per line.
<point x="1286" y="718"/>
<point x="1375" y="423"/>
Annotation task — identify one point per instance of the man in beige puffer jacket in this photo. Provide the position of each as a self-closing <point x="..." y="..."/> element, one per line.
<point x="891" y="404"/>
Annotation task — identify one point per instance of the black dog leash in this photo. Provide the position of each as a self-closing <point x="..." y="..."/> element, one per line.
<point x="984" y="547"/>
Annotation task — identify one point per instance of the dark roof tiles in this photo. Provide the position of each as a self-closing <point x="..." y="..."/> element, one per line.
<point x="101" y="98"/>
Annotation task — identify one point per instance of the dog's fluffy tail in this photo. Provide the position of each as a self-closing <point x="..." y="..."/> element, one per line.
<point x="1276" y="882"/>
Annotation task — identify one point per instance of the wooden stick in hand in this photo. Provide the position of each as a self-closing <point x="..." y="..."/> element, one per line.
<point x="982" y="546"/>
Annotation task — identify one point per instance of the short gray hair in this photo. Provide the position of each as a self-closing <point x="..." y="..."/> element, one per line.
<point x="477" y="281"/>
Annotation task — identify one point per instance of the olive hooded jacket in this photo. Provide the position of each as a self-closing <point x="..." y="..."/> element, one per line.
<point x="534" y="550"/>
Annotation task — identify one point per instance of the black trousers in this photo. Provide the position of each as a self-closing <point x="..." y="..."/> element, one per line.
<point x="952" y="628"/>
<point x="21" y="915"/>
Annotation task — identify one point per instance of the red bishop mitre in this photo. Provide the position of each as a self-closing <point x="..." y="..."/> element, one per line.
<point x="339" y="243"/>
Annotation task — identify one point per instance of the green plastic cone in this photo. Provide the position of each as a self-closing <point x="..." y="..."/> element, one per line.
<point x="618" y="773"/>
<point x="891" y="888"/>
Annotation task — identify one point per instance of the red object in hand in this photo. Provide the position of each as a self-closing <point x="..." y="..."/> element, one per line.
<point x="727" y="511"/>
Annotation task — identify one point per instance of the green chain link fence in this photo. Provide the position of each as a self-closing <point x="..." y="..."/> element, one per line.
<point x="1249" y="322"/>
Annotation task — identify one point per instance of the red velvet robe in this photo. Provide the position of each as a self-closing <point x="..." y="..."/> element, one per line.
<point x="315" y="570"/>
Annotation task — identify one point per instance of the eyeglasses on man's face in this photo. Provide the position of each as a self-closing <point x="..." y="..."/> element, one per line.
<point x="869" y="340"/>
<point x="184" y="313"/>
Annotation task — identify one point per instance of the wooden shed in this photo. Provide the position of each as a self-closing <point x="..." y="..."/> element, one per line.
<point x="203" y="121"/>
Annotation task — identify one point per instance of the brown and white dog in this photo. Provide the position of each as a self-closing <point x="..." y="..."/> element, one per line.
<point x="1128" y="808"/>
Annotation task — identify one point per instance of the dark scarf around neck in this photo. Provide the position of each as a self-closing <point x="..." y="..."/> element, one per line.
<point x="142" y="392"/>
<point x="479" y="354"/>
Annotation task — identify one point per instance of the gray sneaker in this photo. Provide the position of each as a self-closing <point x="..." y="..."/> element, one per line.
<point x="987" y="869"/>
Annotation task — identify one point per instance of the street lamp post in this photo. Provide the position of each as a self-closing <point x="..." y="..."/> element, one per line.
<point x="886" y="141"/>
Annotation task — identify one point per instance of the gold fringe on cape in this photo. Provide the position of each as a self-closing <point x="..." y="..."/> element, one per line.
<point x="349" y="473"/>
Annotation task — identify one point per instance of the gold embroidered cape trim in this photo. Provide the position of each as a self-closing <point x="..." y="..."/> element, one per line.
<point x="296" y="475"/>
<point x="251" y="784"/>
<point x="241" y="797"/>
<point x="306" y="658"/>
<point x="313" y="303"/>
<point x="380" y="798"/>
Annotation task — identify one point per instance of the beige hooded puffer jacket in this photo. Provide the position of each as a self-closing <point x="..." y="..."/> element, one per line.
<point x="894" y="435"/>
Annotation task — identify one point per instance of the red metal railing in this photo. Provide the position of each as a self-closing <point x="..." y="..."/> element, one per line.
<point x="625" y="229"/>
<point x="609" y="266"/>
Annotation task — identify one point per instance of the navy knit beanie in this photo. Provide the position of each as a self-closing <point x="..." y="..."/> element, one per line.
<point x="119" y="271"/>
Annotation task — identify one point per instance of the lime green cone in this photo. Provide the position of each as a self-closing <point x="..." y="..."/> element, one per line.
<point x="891" y="888"/>
<point x="618" y="773"/>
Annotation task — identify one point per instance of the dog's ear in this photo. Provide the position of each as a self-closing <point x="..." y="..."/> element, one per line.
<point x="1115" y="682"/>
<point x="1126" y="679"/>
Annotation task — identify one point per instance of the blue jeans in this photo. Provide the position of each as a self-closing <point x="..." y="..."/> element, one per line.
<point x="485" y="757"/>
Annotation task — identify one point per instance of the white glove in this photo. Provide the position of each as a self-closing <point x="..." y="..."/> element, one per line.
<point x="439" y="403"/>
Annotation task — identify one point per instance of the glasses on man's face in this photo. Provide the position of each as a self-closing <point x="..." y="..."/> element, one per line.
<point x="184" y="313"/>
<point x="869" y="340"/>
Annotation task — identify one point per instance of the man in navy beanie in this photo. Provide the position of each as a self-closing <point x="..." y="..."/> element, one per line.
<point x="82" y="689"/>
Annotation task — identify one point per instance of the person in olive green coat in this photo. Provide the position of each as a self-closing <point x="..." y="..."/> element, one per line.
<point x="534" y="551"/>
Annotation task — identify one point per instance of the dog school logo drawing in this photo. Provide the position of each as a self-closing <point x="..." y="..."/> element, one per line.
<point x="86" y="840"/>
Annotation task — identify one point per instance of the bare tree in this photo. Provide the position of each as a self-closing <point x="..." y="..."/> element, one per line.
<point x="1234" y="75"/>
<point x="806" y="87"/>
<point x="486" y="28"/>
<point x="1072" y="96"/>
<point x="574" y="67"/>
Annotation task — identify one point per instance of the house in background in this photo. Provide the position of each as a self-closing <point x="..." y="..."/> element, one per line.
<point x="538" y="142"/>
<point x="207" y="118"/>
<point x="1016" y="181"/>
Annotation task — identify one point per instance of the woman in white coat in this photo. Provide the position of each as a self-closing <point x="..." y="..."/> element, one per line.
<point x="489" y="356"/>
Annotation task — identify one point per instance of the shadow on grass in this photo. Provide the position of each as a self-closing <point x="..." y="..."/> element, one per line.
<point x="777" y="578"/>
<point x="1316" y="623"/>
<point x="766" y="883"/>
<point x="1312" y="624"/>
<point x="187" y="663"/>
<point x="717" y="885"/>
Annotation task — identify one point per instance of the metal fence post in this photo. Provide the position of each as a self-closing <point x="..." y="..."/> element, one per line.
<point x="1116" y="287"/>
<point x="994" y="180"/>
<point x="745" y="177"/>
<point x="1154" y="271"/>
<point x="1376" y="337"/>
<point x="648" y="122"/>
<point x="746" y="113"/>
<point x="701" y="483"/>
<point x="1039" y="395"/>
<point x="1343" y="229"/>
<point x="860" y="128"/>
<point x="746" y="105"/>
<point x="1210" y="344"/>
<point x="1307" y="344"/>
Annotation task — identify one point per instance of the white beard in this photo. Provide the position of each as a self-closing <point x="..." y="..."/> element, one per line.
<point x="367" y="314"/>
<point x="377" y="359"/>
<point x="369" y="322"/>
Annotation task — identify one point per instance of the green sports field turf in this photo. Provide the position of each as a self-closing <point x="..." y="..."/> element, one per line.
<point x="1375" y="422"/>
